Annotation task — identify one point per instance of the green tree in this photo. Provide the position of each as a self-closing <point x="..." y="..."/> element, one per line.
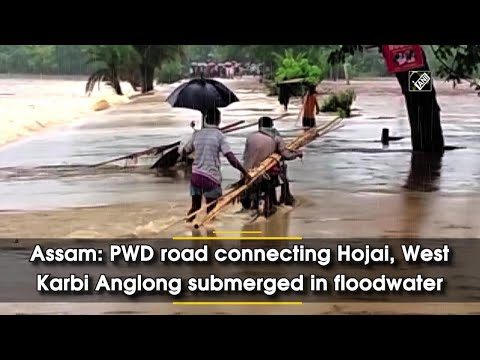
<point x="152" y="57"/>
<point x="46" y="59"/>
<point x="72" y="60"/>
<point x="41" y="58"/>
<point x="170" y="72"/>
<point x="28" y="58"/>
<point x="199" y="53"/>
<point x="119" y="62"/>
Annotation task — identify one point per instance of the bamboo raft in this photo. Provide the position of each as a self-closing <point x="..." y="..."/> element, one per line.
<point x="302" y="140"/>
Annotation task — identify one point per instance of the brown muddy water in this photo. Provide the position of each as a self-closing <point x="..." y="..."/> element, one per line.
<point x="348" y="184"/>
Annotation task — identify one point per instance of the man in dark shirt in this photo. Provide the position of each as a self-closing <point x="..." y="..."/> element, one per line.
<point x="258" y="147"/>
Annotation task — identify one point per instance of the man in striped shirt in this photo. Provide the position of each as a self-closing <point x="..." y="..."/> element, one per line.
<point x="208" y="143"/>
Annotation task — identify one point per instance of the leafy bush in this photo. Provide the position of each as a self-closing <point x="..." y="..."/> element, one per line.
<point x="340" y="102"/>
<point x="292" y="66"/>
<point x="170" y="72"/>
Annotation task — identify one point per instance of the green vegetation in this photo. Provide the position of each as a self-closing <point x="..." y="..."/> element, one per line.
<point x="45" y="59"/>
<point x="340" y="102"/>
<point x="152" y="57"/>
<point x="72" y="59"/>
<point x="168" y="62"/>
<point x="113" y="63"/>
<point x="294" y="66"/>
<point x="170" y="72"/>
<point x="118" y="63"/>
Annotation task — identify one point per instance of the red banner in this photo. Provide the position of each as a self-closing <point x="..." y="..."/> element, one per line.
<point x="402" y="57"/>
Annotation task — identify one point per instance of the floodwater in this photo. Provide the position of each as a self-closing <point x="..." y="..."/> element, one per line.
<point x="348" y="184"/>
<point x="346" y="177"/>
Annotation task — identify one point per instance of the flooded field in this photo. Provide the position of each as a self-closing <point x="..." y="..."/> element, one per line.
<point x="348" y="184"/>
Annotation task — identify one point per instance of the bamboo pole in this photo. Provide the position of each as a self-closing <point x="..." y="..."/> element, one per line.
<point x="185" y="218"/>
<point x="268" y="163"/>
<point x="227" y="194"/>
<point x="159" y="149"/>
<point x="252" y="124"/>
<point x="333" y="125"/>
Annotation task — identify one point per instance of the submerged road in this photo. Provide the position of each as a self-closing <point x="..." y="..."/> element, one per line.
<point x="348" y="185"/>
<point x="50" y="170"/>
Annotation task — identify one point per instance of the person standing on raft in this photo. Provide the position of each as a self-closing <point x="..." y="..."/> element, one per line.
<point x="206" y="180"/>
<point x="310" y="108"/>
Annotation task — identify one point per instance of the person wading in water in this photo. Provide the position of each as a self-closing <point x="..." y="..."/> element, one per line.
<point x="284" y="94"/>
<point x="310" y="108"/>
<point x="208" y="143"/>
<point x="258" y="147"/>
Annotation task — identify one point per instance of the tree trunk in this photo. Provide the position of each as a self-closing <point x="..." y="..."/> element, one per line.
<point x="425" y="170"/>
<point x="118" y="88"/>
<point x="424" y="115"/>
<point x="116" y="81"/>
<point x="345" y="70"/>
<point x="133" y="85"/>
<point x="147" y="72"/>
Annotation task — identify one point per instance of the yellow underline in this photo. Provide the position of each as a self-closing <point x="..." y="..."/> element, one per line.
<point x="237" y="238"/>
<point x="237" y="232"/>
<point x="237" y="303"/>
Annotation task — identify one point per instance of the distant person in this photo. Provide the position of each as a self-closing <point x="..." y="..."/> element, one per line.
<point x="310" y="108"/>
<point x="284" y="94"/>
<point x="258" y="147"/>
<point x="230" y="72"/>
<point x="208" y="143"/>
<point x="253" y="70"/>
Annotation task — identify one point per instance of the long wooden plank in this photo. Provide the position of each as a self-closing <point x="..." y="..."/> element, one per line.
<point x="246" y="126"/>
<point x="154" y="150"/>
<point x="230" y="193"/>
<point x="292" y="81"/>
<point x="228" y="129"/>
<point x="159" y="149"/>
<point x="267" y="164"/>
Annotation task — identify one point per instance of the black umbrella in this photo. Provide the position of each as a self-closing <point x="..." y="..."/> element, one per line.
<point x="202" y="94"/>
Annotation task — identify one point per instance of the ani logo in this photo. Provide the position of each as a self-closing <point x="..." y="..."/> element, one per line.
<point x="420" y="81"/>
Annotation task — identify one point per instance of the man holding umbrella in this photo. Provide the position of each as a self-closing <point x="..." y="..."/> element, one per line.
<point x="206" y="180"/>
<point x="206" y="96"/>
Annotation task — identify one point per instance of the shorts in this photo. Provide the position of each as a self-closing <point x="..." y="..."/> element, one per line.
<point x="213" y="193"/>
<point x="309" y="122"/>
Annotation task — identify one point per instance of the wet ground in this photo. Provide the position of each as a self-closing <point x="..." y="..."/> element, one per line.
<point x="348" y="184"/>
